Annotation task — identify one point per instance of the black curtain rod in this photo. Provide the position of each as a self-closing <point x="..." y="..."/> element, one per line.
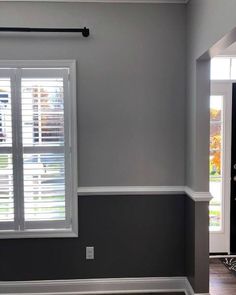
<point x="84" y="31"/>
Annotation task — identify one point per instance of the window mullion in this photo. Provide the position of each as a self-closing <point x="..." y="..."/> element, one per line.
<point x="17" y="150"/>
<point x="20" y="150"/>
<point x="14" y="149"/>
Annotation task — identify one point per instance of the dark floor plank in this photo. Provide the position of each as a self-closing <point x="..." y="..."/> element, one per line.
<point x="222" y="281"/>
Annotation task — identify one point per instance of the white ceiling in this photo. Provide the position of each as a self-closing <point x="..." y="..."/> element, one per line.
<point x="108" y="1"/>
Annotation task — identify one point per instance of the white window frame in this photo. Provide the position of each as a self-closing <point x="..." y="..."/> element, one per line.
<point x="71" y="117"/>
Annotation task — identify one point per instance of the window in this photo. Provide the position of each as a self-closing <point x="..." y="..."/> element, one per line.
<point x="220" y="68"/>
<point x="216" y="159"/>
<point x="38" y="149"/>
<point x="223" y="68"/>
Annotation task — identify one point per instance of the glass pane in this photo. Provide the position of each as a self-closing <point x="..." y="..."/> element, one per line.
<point x="215" y="136"/>
<point x="5" y="113"/>
<point x="216" y="132"/>
<point x="6" y="188"/>
<point x="42" y="112"/>
<point x="215" y="161"/>
<point x="216" y="108"/>
<point x="220" y="68"/>
<point x="215" y="164"/>
<point x="44" y="187"/>
<point x="216" y="204"/>
<point x="233" y="68"/>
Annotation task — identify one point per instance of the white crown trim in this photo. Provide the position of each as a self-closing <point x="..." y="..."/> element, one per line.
<point x="107" y="1"/>
<point x="144" y="190"/>
<point x="98" y="286"/>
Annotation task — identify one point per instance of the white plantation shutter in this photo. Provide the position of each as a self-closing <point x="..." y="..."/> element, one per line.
<point x="6" y="165"/>
<point x="37" y="174"/>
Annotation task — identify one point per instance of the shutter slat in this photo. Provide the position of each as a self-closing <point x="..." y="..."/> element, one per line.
<point x="33" y="200"/>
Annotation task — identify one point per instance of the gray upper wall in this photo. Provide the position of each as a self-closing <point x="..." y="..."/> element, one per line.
<point x="207" y="22"/>
<point x="131" y="84"/>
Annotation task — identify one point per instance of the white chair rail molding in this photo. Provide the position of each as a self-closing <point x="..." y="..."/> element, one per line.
<point x="145" y="190"/>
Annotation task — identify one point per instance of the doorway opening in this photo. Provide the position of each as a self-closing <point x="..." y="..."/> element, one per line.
<point x="223" y="78"/>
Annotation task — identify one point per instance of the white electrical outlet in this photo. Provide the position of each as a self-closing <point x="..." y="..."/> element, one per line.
<point x="89" y="253"/>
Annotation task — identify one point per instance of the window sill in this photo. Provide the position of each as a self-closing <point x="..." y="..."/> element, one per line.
<point x="37" y="234"/>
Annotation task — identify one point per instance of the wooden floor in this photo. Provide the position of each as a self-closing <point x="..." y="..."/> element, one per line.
<point x="222" y="281"/>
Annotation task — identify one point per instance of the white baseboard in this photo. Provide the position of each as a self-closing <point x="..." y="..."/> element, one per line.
<point x="189" y="289"/>
<point x="98" y="286"/>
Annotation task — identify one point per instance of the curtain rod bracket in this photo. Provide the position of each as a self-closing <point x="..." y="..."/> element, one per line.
<point x="85" y="32"/>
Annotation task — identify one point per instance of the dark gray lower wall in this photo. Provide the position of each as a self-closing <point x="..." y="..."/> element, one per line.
<point x="197" y="245"/>
<point x="133" y="236"/>
<point x="201" y="279"/>
<point x="190" y="239"/>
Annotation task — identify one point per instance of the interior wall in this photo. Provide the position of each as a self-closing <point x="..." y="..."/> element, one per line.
<point x="207" y="22"/>
<point x="131" y="131"/>
<point x="131" y="84"/>
<point x="210" y="25"/>
<point x="132" y="237"/>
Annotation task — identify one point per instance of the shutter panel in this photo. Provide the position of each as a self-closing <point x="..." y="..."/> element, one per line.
<point x="6" y="165"/>
<point x="43" y="139"/>
<point x="37" y="175"/>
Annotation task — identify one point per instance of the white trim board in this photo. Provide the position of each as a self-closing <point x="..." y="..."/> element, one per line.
<point x="198" y="196"/>
<point x="222" y="256"/>
<point x="98" y="286"/>
<point x="144" y="190"/>
<point x="130" y="190"/>
<point x="107" y="1"/>
<point x="189" y="290"/>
